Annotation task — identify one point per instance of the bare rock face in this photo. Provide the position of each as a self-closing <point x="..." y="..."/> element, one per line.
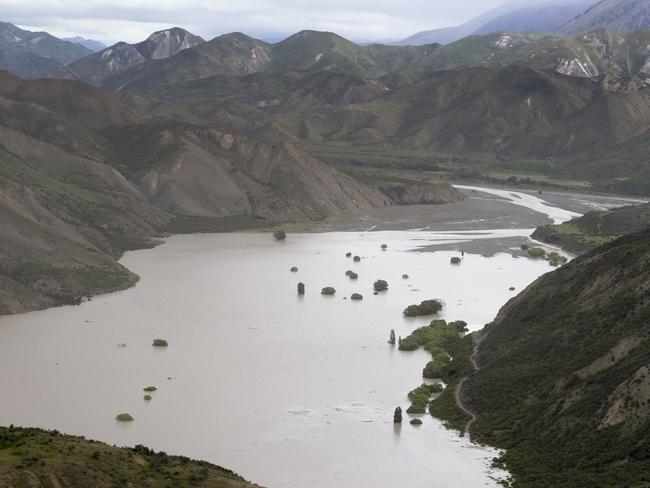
<point x="433" y="194"/>
<point x="166" y="43"/>
<point x="210" y="173"/>
<point x="122" y="57"/>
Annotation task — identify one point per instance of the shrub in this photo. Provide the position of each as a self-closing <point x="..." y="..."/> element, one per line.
<point x="147" y="398"/>
<point x="427" y="307"/>
<point x="280" y="235"/>
<point x="459" y="325"/>
<point x="124" y="417"/>
<point x="356" y="296"/>
<point x="407" y="345"/>
<point x="294" y="269"/>
<point x="405" y="277"/>
<point x="455" y="260"/>
<point x="356" y="259"/>
<point x="556" y="259"/>
<point x="380" y="285"/>
<point x="536" y="253"/>
<point x="301" y="288"/>
<point x="384" y="247"/>
<point x="352" y="275"/>
<point x="416" y="422"/>
<point x="160" y="343"/>
<point x="397" y="415"/>
<point x="150" y="389"/>
<point x="512" y="288"/>
<point x="328" y="290"/>
<point x="348" y="254"/>
<point x="525" y="247"/>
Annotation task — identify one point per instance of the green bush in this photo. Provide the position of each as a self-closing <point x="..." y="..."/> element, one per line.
<point x="301" y="288"/>
<point x="556" y="259"/>
<point x="536" y="253"/>
<point x="356" y="296"/>
<point x="150" y="389"/>
<point x="380" y="285"/>
<point x="455" y="260"/>
<point x="397" y="415"/>
<point x="352" y="275"/>
<point x="124" y="417"/>
<point x="328" y="290"/>
<point x="459" y="325"/>
<point x="427" y="307"/>
<point x="356" y="259"/>
<point x="348" y="254"/>
<point x="147" y="398"/>
<point x="416" y="422"/>
<point x="384" y="247"/>
<point x="405" y="277"/>
<point x="294" y="269"/>
<point x="160" y="343"/>
<point x="280" y="235"/>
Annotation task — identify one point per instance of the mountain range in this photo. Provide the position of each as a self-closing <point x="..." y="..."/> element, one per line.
<point x="543" y="16"/>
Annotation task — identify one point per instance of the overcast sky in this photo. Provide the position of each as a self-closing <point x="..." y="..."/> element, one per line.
<point x="133" y="20"/>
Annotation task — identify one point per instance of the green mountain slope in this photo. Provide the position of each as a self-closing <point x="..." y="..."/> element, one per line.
<point x="564" y="378"/>
<point x="40" y="459"/>
<point x="595" y="228"/>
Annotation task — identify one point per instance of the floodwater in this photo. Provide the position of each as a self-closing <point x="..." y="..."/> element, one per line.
<point x="288" y="391"/>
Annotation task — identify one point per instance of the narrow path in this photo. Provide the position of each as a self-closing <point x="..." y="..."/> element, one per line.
<point x="457" y="391"/>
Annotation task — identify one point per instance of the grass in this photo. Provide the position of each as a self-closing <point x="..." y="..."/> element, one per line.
<point x="35" y="457"/>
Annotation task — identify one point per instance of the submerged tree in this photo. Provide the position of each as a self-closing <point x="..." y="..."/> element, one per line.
<point x="391" y="339"/>
<point x="380" y="285"/>
<point x="397" y="416"/>
<point x="301" y="288"/>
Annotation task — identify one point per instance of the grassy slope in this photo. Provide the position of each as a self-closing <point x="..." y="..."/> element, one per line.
<point x="38" y="459"/>
<point x="563" y="382"/>
<point x="595" y="228"/>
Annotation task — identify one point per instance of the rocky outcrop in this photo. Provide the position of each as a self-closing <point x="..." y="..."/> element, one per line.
<point x="432" y="194"/>
<point x="122" y="57"/>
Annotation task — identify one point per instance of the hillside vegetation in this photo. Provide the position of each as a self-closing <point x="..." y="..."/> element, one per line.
<point x="564" y="378"/>
<point x="595" y="228"/>
<point x="37" y="458"/>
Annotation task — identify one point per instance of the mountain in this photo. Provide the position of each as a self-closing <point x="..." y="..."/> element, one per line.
<point x="542" y="16"/>
<point x="122" y="56"/>
<point x="65" y="460"/>
<point x="91" y="44"/>
<point x="564" y="375"/>
<point x="595" y="228"/>
<point x="621" y="16"/>
<point x="84" y="178"/>
<point x="539" y="18"/>
<point x="237" y="54"/>
<point x="36" y="54"/>
<point x="445" y="35"/>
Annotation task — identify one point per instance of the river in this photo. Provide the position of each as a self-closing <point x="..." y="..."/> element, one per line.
<point x="288" y="391"/>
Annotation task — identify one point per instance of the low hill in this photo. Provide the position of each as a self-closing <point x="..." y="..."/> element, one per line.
<point x="595" y="228"/>
<point x="43" y="459"/>
<point x="564" y="373"/>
